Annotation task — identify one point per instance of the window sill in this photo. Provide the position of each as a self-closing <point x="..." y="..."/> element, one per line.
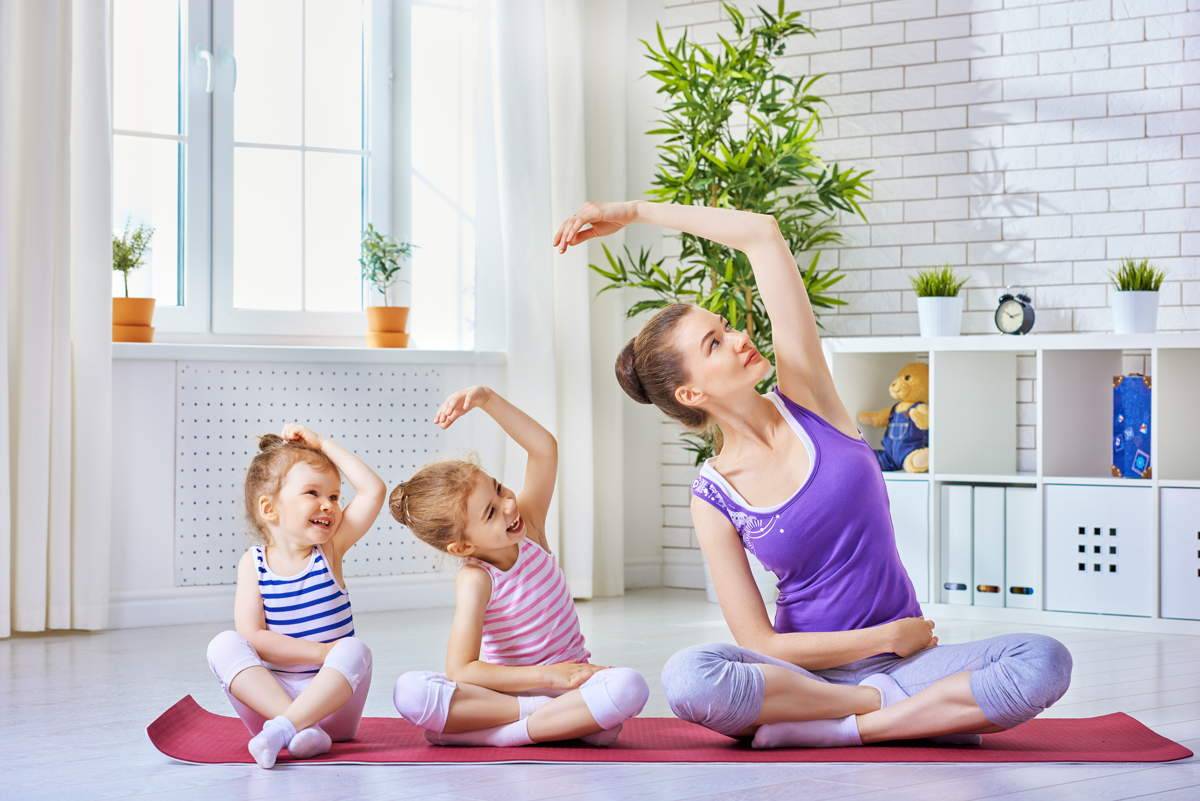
<point x="354" y="354"/>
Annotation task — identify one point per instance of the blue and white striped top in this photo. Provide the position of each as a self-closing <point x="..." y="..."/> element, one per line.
<point x="309" y="606"/>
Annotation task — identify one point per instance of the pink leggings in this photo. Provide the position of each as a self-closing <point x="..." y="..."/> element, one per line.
<point x="229" y="654"/>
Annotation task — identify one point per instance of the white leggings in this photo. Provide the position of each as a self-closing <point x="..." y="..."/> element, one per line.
<point x="613" y="696"/>
<point x="229" y="654"/>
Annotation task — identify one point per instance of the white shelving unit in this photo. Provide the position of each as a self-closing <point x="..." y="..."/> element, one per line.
<point x="1108" y="552"/>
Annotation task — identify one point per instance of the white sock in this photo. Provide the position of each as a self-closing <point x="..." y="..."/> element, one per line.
<point x="266" y="745"/>
<point x="893" y="693"/>
<point x="507" y="735"/>
<point x="808" y="733"/>
<point x="309" y="742"/>
<point x="603" y="738"/>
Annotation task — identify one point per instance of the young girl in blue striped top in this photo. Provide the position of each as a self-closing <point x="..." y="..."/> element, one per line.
<point x="293" y="669"/>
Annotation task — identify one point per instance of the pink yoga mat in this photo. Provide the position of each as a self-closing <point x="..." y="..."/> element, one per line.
<point x="190" y="733"/>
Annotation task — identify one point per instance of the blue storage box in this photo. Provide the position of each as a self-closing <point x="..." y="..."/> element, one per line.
<point x="1131" y="426"/>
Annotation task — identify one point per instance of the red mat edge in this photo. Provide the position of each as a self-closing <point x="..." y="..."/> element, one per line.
<point x="1172" y="751"/>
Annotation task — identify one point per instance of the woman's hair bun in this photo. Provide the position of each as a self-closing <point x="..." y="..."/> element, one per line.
<point x="269" y="441"/>
<point x="627" y="375"/>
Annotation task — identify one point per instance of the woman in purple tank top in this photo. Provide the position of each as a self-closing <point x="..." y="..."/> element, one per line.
<point x="849" y="658"/>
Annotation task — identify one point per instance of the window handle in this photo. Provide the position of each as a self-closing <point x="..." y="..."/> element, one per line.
<point x="207" y="57"/>
<point x="233" y="64"/>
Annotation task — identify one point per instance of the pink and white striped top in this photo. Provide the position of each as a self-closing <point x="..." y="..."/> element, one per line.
<point x="530" y="618"/>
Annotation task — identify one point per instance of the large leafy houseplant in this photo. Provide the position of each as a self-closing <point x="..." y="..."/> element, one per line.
<point x="737" y="131"/>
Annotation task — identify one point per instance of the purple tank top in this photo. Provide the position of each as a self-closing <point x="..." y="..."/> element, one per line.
<point x="831" y="545"/>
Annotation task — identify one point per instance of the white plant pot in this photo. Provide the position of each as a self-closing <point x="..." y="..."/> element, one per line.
<point x="940" y="316"/>
<point x="1135" y="312"/>
<point x="764" y="578"/>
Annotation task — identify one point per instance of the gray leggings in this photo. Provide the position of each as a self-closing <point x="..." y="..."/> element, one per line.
<point x="1013" y="678"/>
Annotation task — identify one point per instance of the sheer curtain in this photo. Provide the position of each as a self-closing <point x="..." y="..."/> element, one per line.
<point x="55" y="338"/>
<point x="533" y="164"/>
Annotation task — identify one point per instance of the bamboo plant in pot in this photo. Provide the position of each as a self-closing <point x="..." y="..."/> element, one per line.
<point x="1135" y="301"/>
<point x="381" y="262"/>
<point x="131" y="317"/>
<point x="939" y="306"/>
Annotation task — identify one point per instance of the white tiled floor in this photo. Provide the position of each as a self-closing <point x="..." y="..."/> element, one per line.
<point x="73" y="712"/>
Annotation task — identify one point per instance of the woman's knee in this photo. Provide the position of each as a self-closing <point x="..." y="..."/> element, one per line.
<point x="712" y="686"/>
<point x="1030" y="673"/>
<point x="687" y="669"/>
<point x="1052" y="665"/>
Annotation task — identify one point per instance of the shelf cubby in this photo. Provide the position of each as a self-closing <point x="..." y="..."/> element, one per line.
<point x="1033" y="415"/>
<point x="1077" y="413"/>
<point x="862" y="380"/>
<point x="1176" y="392"/>
<point x="974" y="429"/>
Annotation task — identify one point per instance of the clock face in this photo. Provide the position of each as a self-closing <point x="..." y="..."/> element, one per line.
<point x="1009" y="316"/>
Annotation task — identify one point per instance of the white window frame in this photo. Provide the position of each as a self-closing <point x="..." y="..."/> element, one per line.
<point x="208" y="81"/>
<point x="193" y="315"/>
<point x="226" y="318"/>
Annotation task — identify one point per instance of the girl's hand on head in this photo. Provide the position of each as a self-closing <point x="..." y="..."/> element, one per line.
<point x="570" y="675"/>
<point x="602" y="219"/>
<point x="460" y="403"/>
<point x="294" y="432"/>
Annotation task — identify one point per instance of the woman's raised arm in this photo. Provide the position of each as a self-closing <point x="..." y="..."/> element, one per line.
<point x="799" y="360"/>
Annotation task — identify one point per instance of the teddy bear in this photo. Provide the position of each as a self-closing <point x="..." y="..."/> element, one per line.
<point x="906" y="440"/>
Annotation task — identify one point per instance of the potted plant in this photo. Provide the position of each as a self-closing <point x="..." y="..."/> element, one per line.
<point x="131" y="317"/>
<point x="1135" y="301"/>
<point x="939" y="306"/>
<point x="381" y="263"/>
<point x="738" y="129"/>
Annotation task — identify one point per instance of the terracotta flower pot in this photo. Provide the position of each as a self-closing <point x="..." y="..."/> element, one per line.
<point x="385" y="326"/>
<point x="131" y="318"/>
<point x="387" y="339"/>
<point x="132" y="311"/>
<point x="133" y="333"/>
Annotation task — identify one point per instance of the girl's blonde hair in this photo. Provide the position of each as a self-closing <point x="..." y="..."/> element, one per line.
<point x="275" y="457"/>
<point x="433" y="503"/>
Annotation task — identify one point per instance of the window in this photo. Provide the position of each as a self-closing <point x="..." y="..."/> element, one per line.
<point x="158" y="165"/>
<point x="259" y="137"/>
<point x="298" y="170"/>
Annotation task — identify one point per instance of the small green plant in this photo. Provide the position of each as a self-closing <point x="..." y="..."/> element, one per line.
<point x="940" y="282"/>
<point x="129" y="249"/>
<point x="381" y="259"/>
<point x="1138" y="276"/>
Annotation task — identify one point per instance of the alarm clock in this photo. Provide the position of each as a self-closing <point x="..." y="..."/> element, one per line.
<point x="1014" y="314"/>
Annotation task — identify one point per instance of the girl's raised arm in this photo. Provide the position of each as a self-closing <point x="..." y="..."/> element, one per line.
<point x="800" y="361"/>
<point x="541" y="467"/>
<point x="369" y="489"/>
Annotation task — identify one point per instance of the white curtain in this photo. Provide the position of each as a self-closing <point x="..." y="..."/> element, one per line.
<point x="534" y="151"/>
<point x="55" y="336"/>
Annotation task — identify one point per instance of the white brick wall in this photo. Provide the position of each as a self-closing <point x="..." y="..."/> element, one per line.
<point x="1027" y="142"/>
<point x="1024" y="141"/>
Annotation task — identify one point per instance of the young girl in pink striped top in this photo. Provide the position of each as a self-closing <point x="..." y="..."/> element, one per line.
<point x="517" y="669"/>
